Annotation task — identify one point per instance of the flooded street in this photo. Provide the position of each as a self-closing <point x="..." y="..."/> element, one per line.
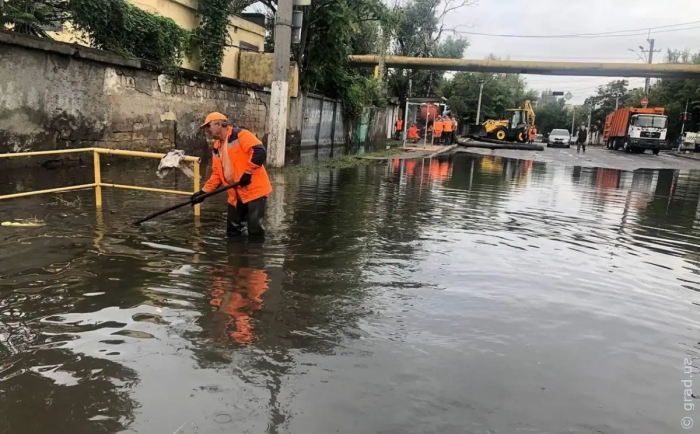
<point x="476" y="294"/>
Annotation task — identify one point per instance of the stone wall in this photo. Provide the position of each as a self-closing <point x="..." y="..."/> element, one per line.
<point x="55" y="96"/>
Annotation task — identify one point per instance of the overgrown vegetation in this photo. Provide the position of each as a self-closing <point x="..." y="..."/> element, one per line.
<point x="118" y="26"/>
<point x="31" y="17"/>
<point x="212" y="34"/>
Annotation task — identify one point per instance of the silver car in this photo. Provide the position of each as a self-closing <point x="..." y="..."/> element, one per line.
<point x="559" y="138"/>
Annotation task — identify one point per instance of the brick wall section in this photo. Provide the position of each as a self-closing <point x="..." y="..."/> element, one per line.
<point x="58" y="96"/>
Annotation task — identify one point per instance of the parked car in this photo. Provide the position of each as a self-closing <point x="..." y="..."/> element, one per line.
<point x="559" y="138"/>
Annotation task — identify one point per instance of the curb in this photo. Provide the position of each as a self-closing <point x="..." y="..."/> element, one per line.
<point x="442" y="151"/>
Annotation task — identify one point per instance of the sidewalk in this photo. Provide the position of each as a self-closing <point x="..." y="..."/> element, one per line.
<point x="416" y="151"/>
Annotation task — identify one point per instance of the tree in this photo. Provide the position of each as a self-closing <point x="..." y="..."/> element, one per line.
<point x="673" y="94"/>
<point x="32" y="16"/>
<point x="501" y="92"/>
<point x="552" y="114"/>
<point x="614" y="94"/>
<point x="330" y="31"/>
<point x="418" y="32"/>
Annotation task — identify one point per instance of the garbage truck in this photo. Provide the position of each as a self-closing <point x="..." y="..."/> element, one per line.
<point x="635" y="129"/>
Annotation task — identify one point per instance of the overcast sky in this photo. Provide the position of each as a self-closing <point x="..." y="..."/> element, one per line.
<point x="565" y="17"/>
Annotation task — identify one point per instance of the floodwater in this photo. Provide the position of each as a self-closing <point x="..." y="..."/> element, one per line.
<point x="467" y="295"/>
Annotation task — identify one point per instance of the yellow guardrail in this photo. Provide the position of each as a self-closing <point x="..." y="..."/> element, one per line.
<point x="98" y="184"/>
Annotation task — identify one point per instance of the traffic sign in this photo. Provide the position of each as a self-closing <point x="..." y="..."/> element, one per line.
<point x="645" y="102"/>
<point x="568" y="96"/>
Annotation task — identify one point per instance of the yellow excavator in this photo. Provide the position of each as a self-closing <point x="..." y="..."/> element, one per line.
<point x="513" y="129"/>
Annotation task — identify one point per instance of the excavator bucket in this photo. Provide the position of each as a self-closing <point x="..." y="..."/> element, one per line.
<point x="477" y="130"/>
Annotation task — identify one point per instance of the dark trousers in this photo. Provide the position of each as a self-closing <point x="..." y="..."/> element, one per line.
<point x="246" y="218"/>
<point x="579" y="145"/>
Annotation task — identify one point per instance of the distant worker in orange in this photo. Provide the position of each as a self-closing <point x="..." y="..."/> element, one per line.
<point x="413" y="133"/>
<point x="438" y="126"/>
<point x="532" y="133"/>
<point x="448" y="130"/>
<point x="238" y="156"/>
<point x="399" y="127"/>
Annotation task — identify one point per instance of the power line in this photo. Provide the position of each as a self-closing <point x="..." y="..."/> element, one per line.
<point x="611" y="34"/>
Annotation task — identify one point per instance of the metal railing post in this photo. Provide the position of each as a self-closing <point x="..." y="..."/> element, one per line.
<point x="196" y="186"/>
<point x="98" y="179"/>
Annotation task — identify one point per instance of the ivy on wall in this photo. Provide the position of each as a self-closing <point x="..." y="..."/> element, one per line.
<point x="212" y="34"/>
<point x="118" y="26"/>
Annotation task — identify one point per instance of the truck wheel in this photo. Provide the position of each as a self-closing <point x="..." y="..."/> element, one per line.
<point x="615" y="144"/>
<point x="500" y="133"/>
<point x="626" y="146"/>
<point x="655" y="151"/>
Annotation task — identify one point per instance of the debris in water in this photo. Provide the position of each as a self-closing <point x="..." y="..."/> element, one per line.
<point x="27" y="223"/>
<point x="175" y="160"/>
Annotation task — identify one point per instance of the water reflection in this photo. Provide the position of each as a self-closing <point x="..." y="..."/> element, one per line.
<point x="471" y="294"/>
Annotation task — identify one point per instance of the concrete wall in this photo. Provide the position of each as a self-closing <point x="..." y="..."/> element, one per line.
<point x="183" y="12"/>
<point x="55" y="96"/>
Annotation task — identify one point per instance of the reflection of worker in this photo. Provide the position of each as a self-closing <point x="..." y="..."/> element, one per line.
<point x="399" y="127"/>
<point x="240" y="159"/>
<point x="413" y="133"/>
<point x="236" y="292"/>
<point x="532" y="133"/>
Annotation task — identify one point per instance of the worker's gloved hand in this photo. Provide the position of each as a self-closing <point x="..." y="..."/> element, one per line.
<point x="197" y="197"/>
<point x="245" y="179"/>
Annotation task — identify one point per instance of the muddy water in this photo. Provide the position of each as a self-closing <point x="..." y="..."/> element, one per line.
<point x="473" y="295"/>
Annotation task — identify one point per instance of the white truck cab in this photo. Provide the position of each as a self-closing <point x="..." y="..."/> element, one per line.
<point x="647" y="130"/>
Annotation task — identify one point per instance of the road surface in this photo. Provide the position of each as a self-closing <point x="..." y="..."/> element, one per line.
<point x="595" y="157"/>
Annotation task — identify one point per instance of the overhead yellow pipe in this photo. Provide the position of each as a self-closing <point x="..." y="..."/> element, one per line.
<point x="658" y="70"/>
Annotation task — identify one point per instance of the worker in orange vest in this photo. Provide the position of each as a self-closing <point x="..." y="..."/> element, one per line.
<point x="238" y="156"/>
<point x="399" y="127"/>
<point x="413" y="133"/>
<point x="532" y="134"/>
<point x="448" y="130"/>
<point x="438" y="126"/>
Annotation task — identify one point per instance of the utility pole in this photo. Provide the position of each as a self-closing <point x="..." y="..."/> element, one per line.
<point x="685" y="116"/>
<point x="573" y="121"/>
<point x="617" y="101"/>
<point x="647" y="82"/>
<point x="590" y="117"/>
<point x="478" y="107"/>
<point x="280" y="85"/>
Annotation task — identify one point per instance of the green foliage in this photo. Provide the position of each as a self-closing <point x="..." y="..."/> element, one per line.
<point x="615" y="92"/>
<point x="118" y="26"/>
<point x="211" y="36"/>
<point x="673" y="94"/>
<point x="418" y="33"/>
<point x="551" y="114"/>
<point x="332" y="28"/>
<point x="501" y="92"/>
<point x="30" y="16"/>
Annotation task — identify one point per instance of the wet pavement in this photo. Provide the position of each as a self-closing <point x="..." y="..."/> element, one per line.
<point x="595" y="156"/>
<point x="468" y="295"/>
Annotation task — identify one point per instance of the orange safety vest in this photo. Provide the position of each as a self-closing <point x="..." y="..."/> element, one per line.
<point x="231" y="161"/>
<point x="448" y="125"/>
<point x="413" y="132"/>
<point x="399" y="124"/>
<point x="533" y="133"/>
<point x="439" y="126"/>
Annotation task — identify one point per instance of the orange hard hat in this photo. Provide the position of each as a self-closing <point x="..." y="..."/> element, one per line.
<point x="211" y="117"/>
